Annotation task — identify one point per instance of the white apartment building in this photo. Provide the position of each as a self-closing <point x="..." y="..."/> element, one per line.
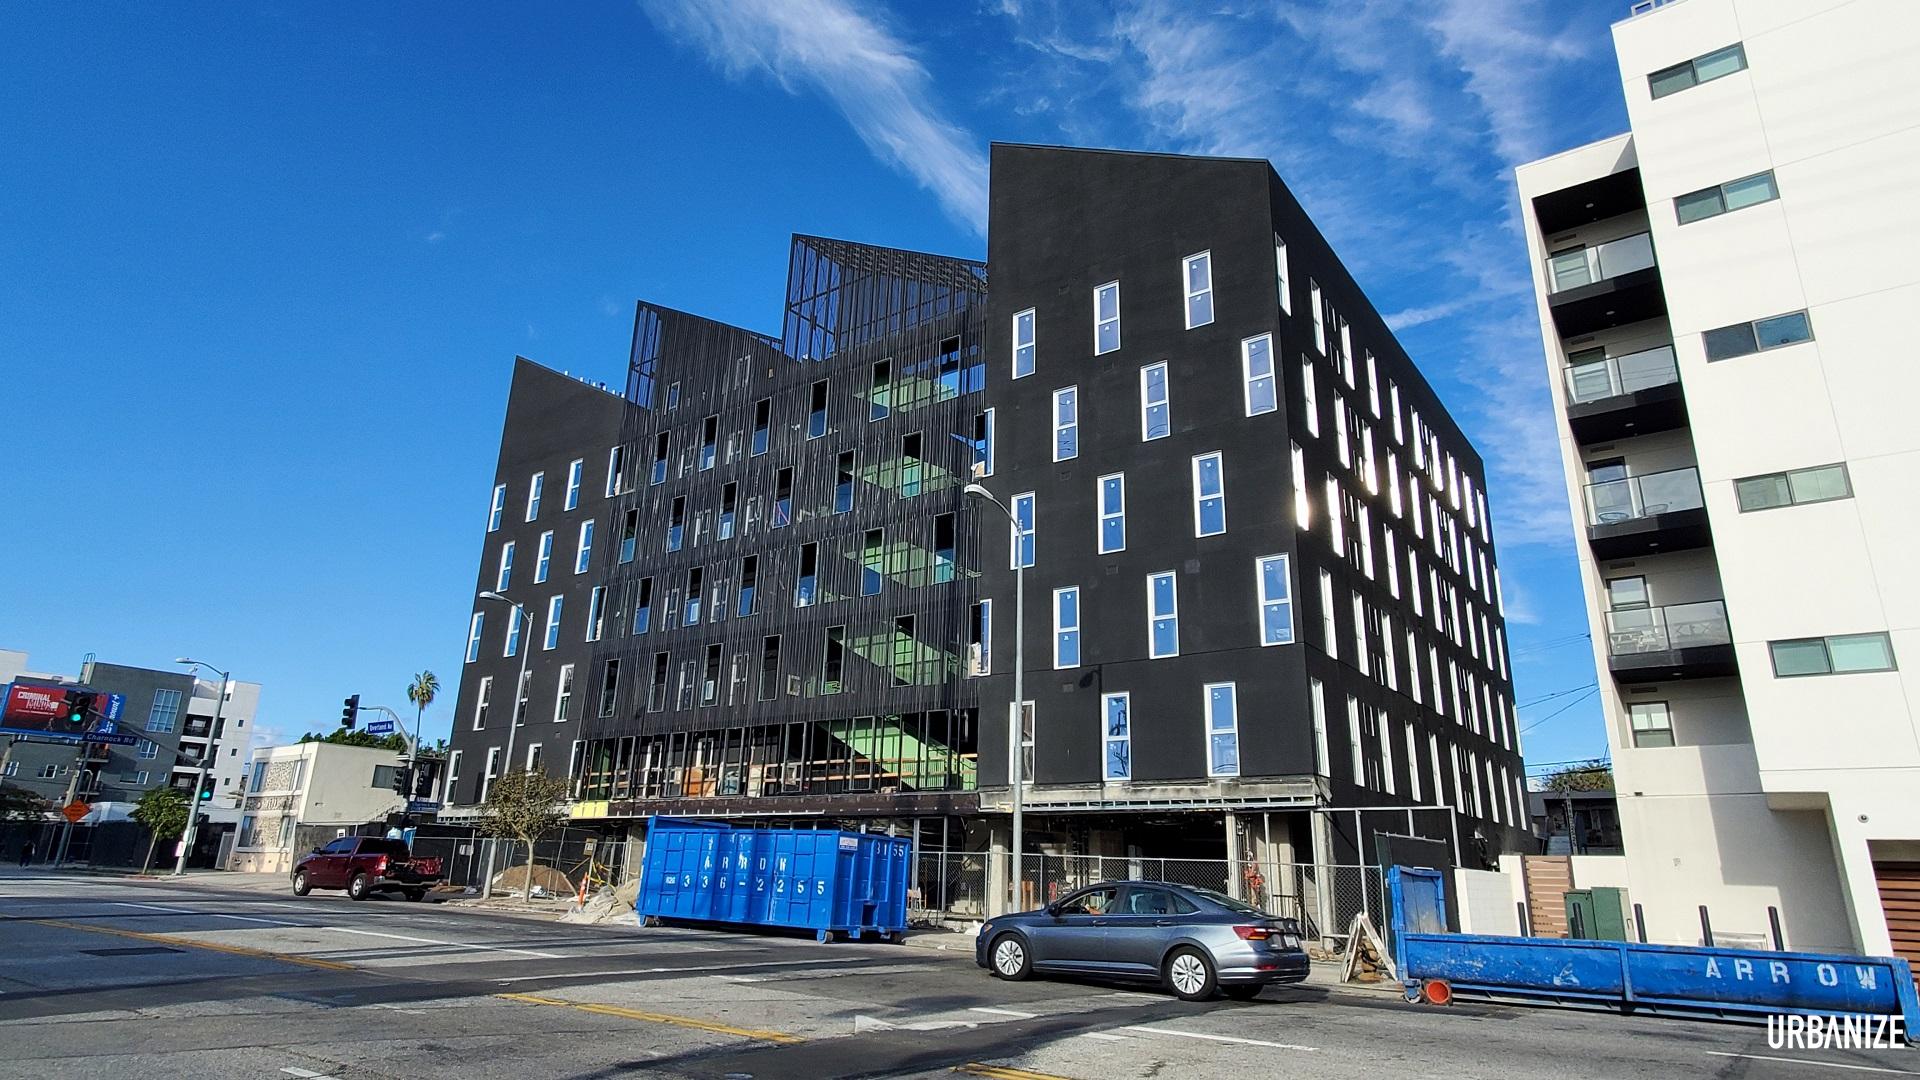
<point x="1724" y="294"/>
<point x="306" y="793"/>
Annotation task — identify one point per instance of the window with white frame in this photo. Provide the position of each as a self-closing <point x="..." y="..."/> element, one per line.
<point x="1163" y="615"/>
<point x="1322" y="764"/>
<point x="1023" y="531"/>
<point x="1113" y="513"/>
<point x="1026" y="740"/>
<point x="1156" y="414"/>
<point x="1066" y="627"/>
<point x="1280" y="274"/>
<point x="575" y="470"/>
<point x="482" y="701"/>
<point x="504" y="578"/>
<point x="1356" y="755"/>
<point x="1383" y="729"/>
<point x="1106" y="318"/>
<point x="498" y="508"/>
<point x="1223" y="730"/>
<point x="583" y="552"/>
<point x="1114" y="708"/>
<point x="534" y="491"/>
<point x="1276" y="600"/>
<point x="983" y="443"/>
<point x="1023" y="344"/>
<point x="1319" y="317"/>
<point x="1260" y="391"/>
<point x="554" y="605"/>
<point x="473" y="635"/>
<point x="164" y="712"/>
<point x="596" y="612"/>
<point x="617" y="468"/>
<point x="1197" y="272"/>
<point x="1413" y="761"/>
<point x="1360" y="635"/>
<point x="1302" y="502"/>
<point x="1329" y="633"/>
<point x="563" y="695"/>
<point x="544" y="562"/>
<point x="1310" y="401"/>
<point x="147" y="750"/>
<point x="1373" y="386"/>
<point x="1209" y="495"/>
<point x="1066" y="423"/>
<point x="493" y="770"/>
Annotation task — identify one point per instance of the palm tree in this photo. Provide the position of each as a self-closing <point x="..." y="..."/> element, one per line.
<point x="421" y="692"/>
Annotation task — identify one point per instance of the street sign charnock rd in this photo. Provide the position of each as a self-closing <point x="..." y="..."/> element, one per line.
<point x="40" y="712"/>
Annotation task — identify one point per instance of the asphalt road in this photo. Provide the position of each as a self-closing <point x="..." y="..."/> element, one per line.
<point x="104" y="978"/>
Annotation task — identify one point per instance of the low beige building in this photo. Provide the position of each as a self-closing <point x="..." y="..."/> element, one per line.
<point x="304" y="794"/>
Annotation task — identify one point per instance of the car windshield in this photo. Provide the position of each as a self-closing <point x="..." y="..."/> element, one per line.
<point x="1225" y="901"/>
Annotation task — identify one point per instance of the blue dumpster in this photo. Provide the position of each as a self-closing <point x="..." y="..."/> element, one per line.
<point x="1729" y="983"/>
<point x="823" y="880"/>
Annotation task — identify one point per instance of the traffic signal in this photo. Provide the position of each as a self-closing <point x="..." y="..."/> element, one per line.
<point x="402" y="781"/>
<point x="349" y="711"/>
<point x="80" y="706"/>
<point x="206" y="792"/>
<point x="424" y="777"/>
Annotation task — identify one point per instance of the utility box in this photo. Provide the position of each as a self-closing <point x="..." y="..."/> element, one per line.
<point x="823" y="880"/>
<point x="1598" y="914"/>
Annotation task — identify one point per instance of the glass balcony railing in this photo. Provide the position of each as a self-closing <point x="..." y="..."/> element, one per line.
<point x="1659" y="629"/>
<point x="1611" y="502"/>
<point x="1584" y="266"/>
<point x="1597" y="380"/>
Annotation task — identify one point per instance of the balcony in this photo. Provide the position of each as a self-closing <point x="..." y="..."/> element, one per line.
<point x="1643" y="515"/>
<point x="1618" y="397"/>
<point x="1605" y="285"/>
<point x="1679" y="641"/>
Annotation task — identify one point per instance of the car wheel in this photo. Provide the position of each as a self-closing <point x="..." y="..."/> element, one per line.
<point x="1008" y="955"/>
<point x="1243" y="992"/>
<point x="1189" y="974"/>
<point x="300" y="886"/>
<point x="359" y="886"/>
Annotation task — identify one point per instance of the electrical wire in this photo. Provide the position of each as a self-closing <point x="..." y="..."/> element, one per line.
<point x="1556" y="694"/>
<point x="1591" y="690"/>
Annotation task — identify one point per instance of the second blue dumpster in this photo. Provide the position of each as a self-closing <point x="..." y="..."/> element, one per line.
<point x="823" y="880"/>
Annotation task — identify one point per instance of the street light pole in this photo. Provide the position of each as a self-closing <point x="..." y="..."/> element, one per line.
<point x="207" y="758"/>
<point x="513" y="718"/>
<point x="1016" y="725"/>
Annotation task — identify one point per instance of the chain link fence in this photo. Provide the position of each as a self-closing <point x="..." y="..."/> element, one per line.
<point x="584" y="858"/>
<point x="1324" y="898"/>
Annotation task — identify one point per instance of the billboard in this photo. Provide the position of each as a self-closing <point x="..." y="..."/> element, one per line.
<point x="49" y="712"/>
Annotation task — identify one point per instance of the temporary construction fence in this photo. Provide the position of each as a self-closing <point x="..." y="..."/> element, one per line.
<point x="588" y="860"/>
<point x="1324" y="898"/>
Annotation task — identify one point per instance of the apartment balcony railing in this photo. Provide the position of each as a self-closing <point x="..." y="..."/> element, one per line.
<point x="1585" y="266"/>
<point x="1614" y="376"/>
<point x="1632" y="631"/>
<point x="1613" y="502"/>
<point x="1679" y="641"/>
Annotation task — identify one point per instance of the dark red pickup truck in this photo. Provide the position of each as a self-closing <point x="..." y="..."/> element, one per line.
<point x="364" y="865"/>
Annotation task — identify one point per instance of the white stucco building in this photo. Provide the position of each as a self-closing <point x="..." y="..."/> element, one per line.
<point x="1724" y="294"/>
<point x="300" y="795"/>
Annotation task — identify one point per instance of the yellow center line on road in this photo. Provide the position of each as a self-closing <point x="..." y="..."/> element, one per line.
<point x="656" y="1018"/>
<point x="170" y="939"/>
<point x="1002" y="1072"/>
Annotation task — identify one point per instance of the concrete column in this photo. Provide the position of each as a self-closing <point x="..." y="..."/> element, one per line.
<point x="999" y="845"/>
<point x="1323" y="883"/>
<point x="1235" y="878"/>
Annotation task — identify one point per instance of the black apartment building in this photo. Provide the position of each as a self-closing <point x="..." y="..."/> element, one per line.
<point x="1262" y="607"/>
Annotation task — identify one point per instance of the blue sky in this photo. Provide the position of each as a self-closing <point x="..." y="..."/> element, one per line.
<point x="266" y="268"/>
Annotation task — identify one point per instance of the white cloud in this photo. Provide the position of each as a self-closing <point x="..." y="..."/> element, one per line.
<point x="436" y="236"/>
<point x="843" y="52"/>
<point x="1504" y="61"/>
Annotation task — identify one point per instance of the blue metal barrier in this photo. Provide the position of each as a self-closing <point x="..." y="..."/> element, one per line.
<point x="1743" y="984"/>
<point x="822" y="880"/>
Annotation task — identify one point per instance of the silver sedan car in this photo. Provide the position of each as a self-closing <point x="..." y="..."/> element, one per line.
<point x="1196" y="942"/>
